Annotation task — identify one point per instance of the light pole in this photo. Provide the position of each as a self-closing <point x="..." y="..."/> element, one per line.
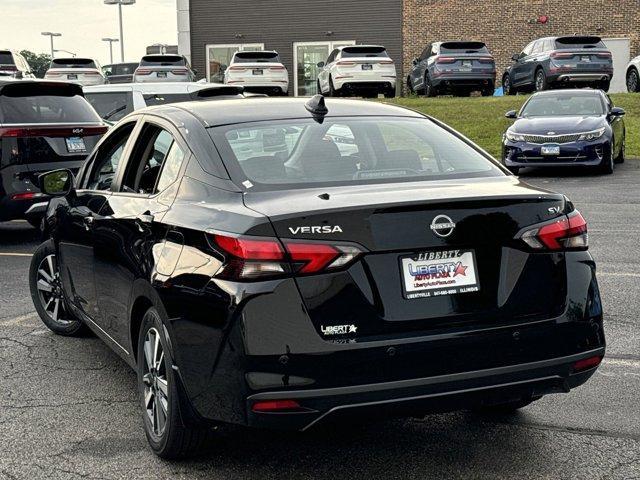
<point x="120" y="3"/>
<point x="51" y="35"/>
<point x="111" y="42"/>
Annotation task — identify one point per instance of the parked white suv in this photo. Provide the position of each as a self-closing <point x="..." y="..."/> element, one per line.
<point x="633" y="75"/>
<point x="115" y="101"/>
<point x="364" y="70"/>
<point x="14" y="66"/>
<point x="163" y="68"/>
<point x="85" y="71"/>
<point x="259" y="71"/>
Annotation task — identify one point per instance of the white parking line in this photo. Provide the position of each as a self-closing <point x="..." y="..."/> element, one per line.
<point x="7" y="254"/>
<point x="619" y="274"/>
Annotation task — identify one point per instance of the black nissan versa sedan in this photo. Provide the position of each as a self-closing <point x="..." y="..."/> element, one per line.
<point x="254" y="273"/>
<point x="43" y="125"/>
<point x="566" y="128"/>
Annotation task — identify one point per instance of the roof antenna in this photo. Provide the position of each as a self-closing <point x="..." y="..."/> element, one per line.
<point x="317" y="108"/>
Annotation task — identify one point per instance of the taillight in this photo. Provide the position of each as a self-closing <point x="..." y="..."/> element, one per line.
<point x="568" y="232"/>
<point x="91" y="73"/>
<point x="386" y="62"/>
<point x="277" y="68"/>
<point x="142" y="71"/>
<point x="9" y="68"/>
<point x="345" y="63"/>
<point x="445" y="59"/>
<point x="561" y="55"/>
<point x="604" y="55"/>
<point x="23" y="132"/>
<point x="248" y="258"/>
<point x="237" y="69"/>
<point x="179" y="71"/>
<point x="51" y="74"/>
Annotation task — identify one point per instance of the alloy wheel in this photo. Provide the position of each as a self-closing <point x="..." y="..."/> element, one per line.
<point x="540" y="81"/>
<point x="632" y="81"/>
<point x="50" y="290"/>
<point x="154" y="378"/>
<point x="506" y="86"/>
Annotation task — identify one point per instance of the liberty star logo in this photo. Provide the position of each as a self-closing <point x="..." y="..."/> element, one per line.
<point x="460" y="270"/>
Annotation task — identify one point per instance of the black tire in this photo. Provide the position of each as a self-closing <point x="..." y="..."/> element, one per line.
<point x="429" y="90"/>
<point x="540" y="81"/>
<point x="332" y="90"/>
<point x="318" y="87"/>
<point x="47" y="294"/>
<point x="35" y="223"/>
<point x="390" y="93"/>
<point x="507" y="407"/>
<point x="410" y="88"/>
<point x="487" y="92"/>
<point x="633" y="80"/>
<point x="604" y="86"/>
<point x="606" y="165"/>
<point x="622" y="153"/>
<point x="514" y="170"/>
<point x="168" y="432"/>
<point x="507" y="88"/>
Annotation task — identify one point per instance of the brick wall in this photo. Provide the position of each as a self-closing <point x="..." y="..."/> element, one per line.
<point x="505" y="25"/>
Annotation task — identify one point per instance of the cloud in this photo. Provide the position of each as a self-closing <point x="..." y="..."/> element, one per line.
<point x="83" y="23"/>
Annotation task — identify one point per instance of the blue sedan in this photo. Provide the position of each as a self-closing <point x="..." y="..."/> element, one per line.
<point x="565" y="128"/>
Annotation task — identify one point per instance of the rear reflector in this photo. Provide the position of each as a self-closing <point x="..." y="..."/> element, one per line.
<point x="568" y="232"/>
<point x="276" y="406"/>
<point x="53" y="131"/>
<point x="587" y="363"/>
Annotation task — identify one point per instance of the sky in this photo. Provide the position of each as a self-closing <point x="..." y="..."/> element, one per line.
<point x="83" y="23"/>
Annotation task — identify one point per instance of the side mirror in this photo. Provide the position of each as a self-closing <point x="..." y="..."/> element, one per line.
<point x="18" y="75"/>
<point x="515" y="57"/>
<point x="320" y="64"/>
<point x="56" y="183"/>
<point x="415" y="62"/>
<point x="107" y="73"/>
<point x="617" y="112"/>
<point x="511" y="114"/>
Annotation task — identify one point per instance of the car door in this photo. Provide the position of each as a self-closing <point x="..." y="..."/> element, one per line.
<point x="325" y="72"/>
<point x="519" y="70"/>
<point x="75" y="221"/>
<point x="417" y="72"/>
<point x="617" y="126"/>
<point x="131" y="225"/>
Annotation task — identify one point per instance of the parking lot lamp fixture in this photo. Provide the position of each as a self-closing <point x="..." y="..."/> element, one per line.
<point x="120" y="3"/>
<point x="51" y="35"/>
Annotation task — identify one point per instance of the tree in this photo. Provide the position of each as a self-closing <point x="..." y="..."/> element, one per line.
<point x="39" y="63"/>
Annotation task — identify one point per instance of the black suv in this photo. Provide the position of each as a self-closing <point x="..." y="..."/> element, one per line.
<point x="43" y="125"/>
<point x="453" y="67"/>
<point x="560" y="61"/>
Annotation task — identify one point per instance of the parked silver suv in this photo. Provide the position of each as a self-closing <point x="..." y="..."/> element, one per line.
<point x="163" y="68"/>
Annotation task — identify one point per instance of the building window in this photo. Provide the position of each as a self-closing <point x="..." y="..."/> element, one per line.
<point x="219" y="55"/>
<point x="306" y="56"/>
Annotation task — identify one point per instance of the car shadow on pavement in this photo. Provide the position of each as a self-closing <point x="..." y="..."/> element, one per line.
<point x="17" y="234"/>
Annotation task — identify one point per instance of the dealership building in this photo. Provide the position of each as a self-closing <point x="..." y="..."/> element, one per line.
<point x="304" y="32"/>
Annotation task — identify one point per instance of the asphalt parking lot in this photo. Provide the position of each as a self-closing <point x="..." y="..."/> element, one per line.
<point x="68" y="406"/>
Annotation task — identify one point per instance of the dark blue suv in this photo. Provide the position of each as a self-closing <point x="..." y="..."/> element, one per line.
<point x="559" y="61"/>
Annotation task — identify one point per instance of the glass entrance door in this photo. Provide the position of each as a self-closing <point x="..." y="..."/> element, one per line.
<point x="219" y="56"/>
<point x="306" y="56"/>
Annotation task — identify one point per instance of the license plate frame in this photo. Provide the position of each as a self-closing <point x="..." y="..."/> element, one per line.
<point x="161" y="74"/>
<point x="257" y="71"/>
<point x="585" y="58"/>
<point x="72" y="76"/>
<point x="75" y="145"/>
<point x="467" y="63"/>
<point x="550" y="150"/>
<point x="437" y="273"/>
<point x="367" y="67"/>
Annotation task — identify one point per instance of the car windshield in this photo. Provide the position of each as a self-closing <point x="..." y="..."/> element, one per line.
<point x="73" y="63"/>
<point x="579" y="42"/>
<point x="256" y="57"/>
<point x="162" y="60"/>
<point x="350" y="52"/>
<point x="463" y="47"/>
<point x="46" y="109"/>
<point x="345" y="150"/>
<point x="565" y="104"/>
<point x="6" y="58"/>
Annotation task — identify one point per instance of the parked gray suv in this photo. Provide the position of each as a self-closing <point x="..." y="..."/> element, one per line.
<point x="458" y="67"/>
<point x="560" y="61"/>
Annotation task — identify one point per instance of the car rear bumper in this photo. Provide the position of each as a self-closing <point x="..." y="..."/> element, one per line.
<point x="453" y="81"/>
<point x="581" y="77"/>
<point x="420" y="396"/>
<point x="379" y="83"/>
<point x="23" y="209"/>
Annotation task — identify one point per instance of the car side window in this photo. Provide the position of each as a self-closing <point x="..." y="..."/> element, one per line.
<point x="154" y="163"/>
<point x="548" y="45"/>
<point x="527" y="50"/>
<point x="425" y="53"/>
<point x="332" y="56"/>
<point x="537" y="47"/>
<point x="107" y="158"/>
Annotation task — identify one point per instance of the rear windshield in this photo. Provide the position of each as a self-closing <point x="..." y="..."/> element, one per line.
<point x="262" y="57"/>
<point x="162" y="60"/>
<point x="73" y="63"/>
<point x="124" y="69"/>
<point x="463" y="47"/>
<point x="46" y="109"/>
<point x="6" y="58"/>
<point x="111" y="106"/>
<point x="579" y="42"/>
<point x="346" y="151"/>
<point x="364" y="52"/>
<point x="564" y="104"/>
